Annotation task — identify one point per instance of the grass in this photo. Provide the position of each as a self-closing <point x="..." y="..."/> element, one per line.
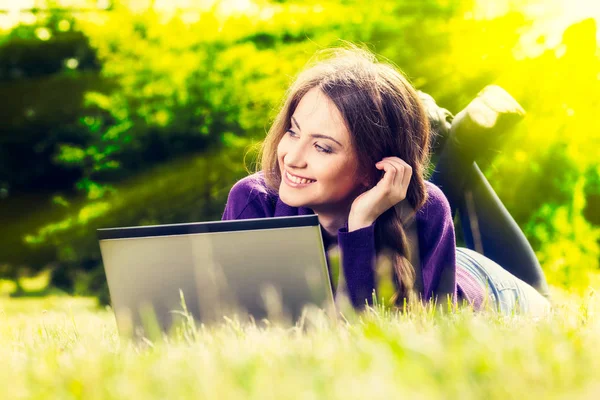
<point x="61" y="347"/>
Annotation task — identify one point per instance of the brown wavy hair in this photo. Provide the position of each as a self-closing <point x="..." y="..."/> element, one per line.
<point x="385" y="117"/>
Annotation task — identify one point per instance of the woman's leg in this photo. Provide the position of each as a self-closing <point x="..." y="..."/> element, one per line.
<point x="488" y="226"/>
<point x="490" y="229"/>
<point x="507" y="293"/>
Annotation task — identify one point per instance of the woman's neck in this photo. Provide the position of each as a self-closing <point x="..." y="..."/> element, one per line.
<point x="331" y="223"/>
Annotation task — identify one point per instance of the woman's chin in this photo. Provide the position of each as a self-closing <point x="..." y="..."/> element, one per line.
<point x="291" y="199"/>
<point x="287" y="198"/>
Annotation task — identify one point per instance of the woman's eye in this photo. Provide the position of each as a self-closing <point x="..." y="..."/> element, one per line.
<point x="322" y="149"/>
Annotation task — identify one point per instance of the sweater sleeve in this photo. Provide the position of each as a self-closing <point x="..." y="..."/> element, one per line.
<point x="247" y="199"/>
<point x="437" y="247"/>
<point x="358" y="257"/>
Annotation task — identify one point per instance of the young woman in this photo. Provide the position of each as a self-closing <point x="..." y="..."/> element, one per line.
<point x="351" y="144"/>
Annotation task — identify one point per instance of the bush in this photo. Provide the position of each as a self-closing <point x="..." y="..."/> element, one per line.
<point x="186" y="190"/>
<point x="200" y="86"/>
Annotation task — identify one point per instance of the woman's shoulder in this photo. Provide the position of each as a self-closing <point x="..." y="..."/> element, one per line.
<point x="437" y="204"/>
<point x="253" y="186"/>
<point x="254" y="183"/>
<point x="247" y="194"/>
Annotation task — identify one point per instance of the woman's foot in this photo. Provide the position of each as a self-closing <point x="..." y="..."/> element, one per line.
<point x="479" y="127"/>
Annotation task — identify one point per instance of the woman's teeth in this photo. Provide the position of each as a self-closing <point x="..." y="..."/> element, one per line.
<point x="295" y="179"/>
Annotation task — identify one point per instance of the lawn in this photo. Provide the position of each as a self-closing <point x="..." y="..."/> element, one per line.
<point x="68" y="348"/>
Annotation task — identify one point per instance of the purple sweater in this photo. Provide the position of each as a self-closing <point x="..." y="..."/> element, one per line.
<point x="250" y="198"/>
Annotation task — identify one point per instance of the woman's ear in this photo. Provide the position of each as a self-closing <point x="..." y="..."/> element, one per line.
<point x="365" y="181"/>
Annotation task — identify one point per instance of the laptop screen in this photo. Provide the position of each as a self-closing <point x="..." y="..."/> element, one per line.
<point x="242" y="268"/>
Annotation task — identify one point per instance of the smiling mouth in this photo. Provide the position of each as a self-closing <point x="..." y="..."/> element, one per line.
<point x="297" y="180"/>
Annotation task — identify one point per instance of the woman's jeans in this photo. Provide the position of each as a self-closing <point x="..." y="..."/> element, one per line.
<point x="505" y="293"/>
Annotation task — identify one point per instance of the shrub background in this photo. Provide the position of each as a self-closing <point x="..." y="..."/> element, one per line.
<point x="138" y="116"/>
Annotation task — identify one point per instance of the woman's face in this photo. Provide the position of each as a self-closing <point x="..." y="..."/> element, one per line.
<point x="319" y="167"/>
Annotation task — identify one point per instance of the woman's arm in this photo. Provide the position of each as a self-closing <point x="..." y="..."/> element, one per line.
<point x="357" y="243"/>
<point x="437" y="247"/>
<point x="437" y="251"/>
<point x="358" y="256"/>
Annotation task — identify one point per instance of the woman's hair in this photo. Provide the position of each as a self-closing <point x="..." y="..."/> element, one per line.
<point x="385" y="117"/>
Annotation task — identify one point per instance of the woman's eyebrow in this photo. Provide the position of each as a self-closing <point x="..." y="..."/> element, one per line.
<point x="316" y="135"/>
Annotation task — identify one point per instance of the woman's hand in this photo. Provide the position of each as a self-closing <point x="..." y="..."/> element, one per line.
<point x="389" y="191"/>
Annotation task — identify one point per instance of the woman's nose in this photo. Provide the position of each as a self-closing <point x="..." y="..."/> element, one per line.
<point x="294" y="157"/>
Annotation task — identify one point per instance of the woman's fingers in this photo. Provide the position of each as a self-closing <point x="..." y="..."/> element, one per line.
<point x="389" y="191"/>
<point x="401" y="167"/>
<point x="390" y="175"/>
<point x="406" y="174"/>
<point x="394" y="186"/>
<point x="404" y="171"/>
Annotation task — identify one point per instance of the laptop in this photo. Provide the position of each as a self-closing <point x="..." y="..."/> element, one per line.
<point x="246" y="269"/>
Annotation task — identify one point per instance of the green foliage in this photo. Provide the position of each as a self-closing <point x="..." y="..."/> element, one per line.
<point x="181" y="95"/>
<point x="51" y="44"/>
<point x="46" y="66"/>
<point x="185" y="190"/>
<point x="547" y="175"/>
<point x="185" y="85"/>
